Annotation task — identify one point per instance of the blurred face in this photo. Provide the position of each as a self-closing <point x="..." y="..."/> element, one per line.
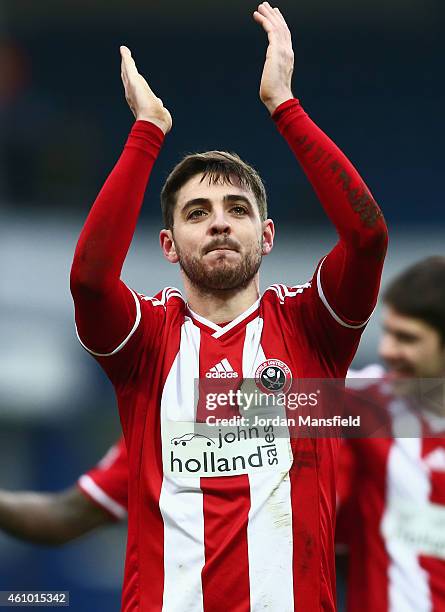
<point x="410" y="348"/>
<point x="218" y="237"/>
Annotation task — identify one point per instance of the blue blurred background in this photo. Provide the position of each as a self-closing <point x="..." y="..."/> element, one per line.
<point x="370" y="72"/>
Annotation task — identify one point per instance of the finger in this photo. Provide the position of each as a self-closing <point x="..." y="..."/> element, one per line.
<point x="275" y="25"/>
<point x="275" y="16"/>
<point x="128" y="63"/>
<point x="124" y="72"/>
<point x="263" y="21"/>
<point x="259" y="18"/>
<point x="282" y="20"/>
<point x="266" y="23"/>
<point x="280" y="15"/>
<point x="128" y="66"/>
<point x="269" y="12"/>
<point x="124" y="77"/>
<point x="264" y="9"/>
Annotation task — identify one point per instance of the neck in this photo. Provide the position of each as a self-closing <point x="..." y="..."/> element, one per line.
<point x="221" y="306"/>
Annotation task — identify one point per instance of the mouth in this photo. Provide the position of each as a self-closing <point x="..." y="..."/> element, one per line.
<point x="399" y="374"/>
<point x="221" y="249"/>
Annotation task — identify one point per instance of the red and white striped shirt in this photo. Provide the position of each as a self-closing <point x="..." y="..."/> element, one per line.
<point x="251" y="529"/>
<point x="106" y="485"/>
<point x="212" y="541"/>
<point x="392" y="510"/>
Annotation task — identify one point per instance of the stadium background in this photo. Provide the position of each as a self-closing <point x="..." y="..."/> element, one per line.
<point x="369" y="72"/>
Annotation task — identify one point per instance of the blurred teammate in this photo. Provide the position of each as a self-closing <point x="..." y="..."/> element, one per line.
<point x="392" y="489"/>
<point x="98" y="498"/>
<point x="225" y="528"/>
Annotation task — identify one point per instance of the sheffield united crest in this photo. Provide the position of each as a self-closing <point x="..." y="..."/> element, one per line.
<point x="273" y="376"/>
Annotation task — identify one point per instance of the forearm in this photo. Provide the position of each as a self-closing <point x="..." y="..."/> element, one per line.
<point x="342" y="192"/>
<point x="31" y="516"/>
<point x="353" y="268"/>
<point x="49" y="518"/>
<point x="105" y="309"/>
<point x="351" y="273"/>
<point x="109" y="228"/>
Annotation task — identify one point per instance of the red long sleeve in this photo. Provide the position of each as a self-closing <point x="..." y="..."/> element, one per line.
<point x="351" y="272"/>
<point x="105" y="240"/>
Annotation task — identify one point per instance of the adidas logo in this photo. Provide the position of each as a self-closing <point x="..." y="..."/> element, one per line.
<point x="223" y="369"/>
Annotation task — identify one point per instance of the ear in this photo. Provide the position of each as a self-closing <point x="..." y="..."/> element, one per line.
<point x="168" y="245"/>
<point x="268" y="236"/>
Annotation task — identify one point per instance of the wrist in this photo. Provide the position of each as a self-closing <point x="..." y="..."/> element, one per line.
<point x="155" y="121"/>
<point x="274" y="102"/>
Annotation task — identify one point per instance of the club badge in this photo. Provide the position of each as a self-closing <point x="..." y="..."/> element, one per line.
<point x="273" y="376"/>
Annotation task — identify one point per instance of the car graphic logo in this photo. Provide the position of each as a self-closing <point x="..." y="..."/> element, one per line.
<point x="188" y="437"/>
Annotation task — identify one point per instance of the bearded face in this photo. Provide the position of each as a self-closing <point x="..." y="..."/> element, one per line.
<point x="222" y="265"/>
<point x="218" y="237"/>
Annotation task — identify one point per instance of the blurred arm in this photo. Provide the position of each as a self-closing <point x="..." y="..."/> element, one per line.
<point x="49" y="518"/>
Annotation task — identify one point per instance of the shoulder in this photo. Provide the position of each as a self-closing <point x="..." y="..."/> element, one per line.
<point x="168" y="296"/>
<point x="285" y="294"/>
<point x="163" y="305"/>
<point x="371" y="371"/>
<point x="370" y="379"/>
<point x="371" y="388"/>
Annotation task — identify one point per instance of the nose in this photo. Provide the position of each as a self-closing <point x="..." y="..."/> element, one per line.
<point x="388" y="348"/>
<point x="220" y="223"/>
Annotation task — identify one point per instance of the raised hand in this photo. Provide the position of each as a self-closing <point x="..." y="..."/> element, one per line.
<point x="141" y="100"/>
<point x="276" y="80"/>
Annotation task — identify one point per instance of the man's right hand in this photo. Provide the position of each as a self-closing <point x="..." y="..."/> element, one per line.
<point x="141" y="100"/>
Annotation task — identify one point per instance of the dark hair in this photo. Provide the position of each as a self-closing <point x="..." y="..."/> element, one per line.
<point x="216" y="166"/>
<point x="419" y="292"/>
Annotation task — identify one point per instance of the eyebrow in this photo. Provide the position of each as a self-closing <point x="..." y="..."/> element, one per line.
<point x="230" y="198"/>
<point x="401" y="333"/>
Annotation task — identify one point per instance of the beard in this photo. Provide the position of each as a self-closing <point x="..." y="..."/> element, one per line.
<point x="222" y="275"/>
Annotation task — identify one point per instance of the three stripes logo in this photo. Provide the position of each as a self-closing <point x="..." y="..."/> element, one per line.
<point x="222" y="369"/>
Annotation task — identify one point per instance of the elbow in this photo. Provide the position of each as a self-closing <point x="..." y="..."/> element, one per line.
<point x="78" y="274"/>
<point x="87" y="280"/>
<point x="55" y="540"/>
<point x="47" y="535"/>
<point x="75" y="277"/>
<point x="376" y="240"/>
<point x="369" y="240"/>
<point x="79" y="279"/>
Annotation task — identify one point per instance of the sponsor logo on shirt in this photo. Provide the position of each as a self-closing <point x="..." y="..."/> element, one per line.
<point x="222" y="369"/>
<point x="420" y="528"/>
<point x="188" y="437"/>
<point x="198" y="449"/>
